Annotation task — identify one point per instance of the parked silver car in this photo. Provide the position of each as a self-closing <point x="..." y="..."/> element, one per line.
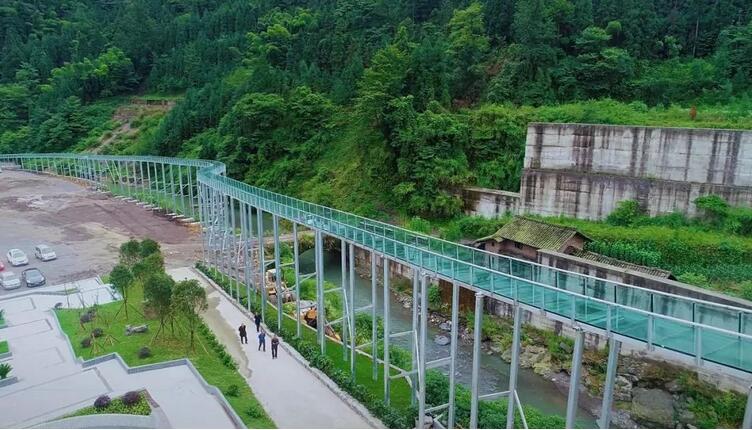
<point x="16" y="257"/>
<point x="9" y="280"/>
<point x="44" y="253"/>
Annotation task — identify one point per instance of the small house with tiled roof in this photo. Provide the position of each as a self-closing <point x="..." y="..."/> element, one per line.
<point x="523" y="237"/>
<point x="544" y="243"/>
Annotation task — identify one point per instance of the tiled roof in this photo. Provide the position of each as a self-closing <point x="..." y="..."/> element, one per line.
<point x="537" y="234"/>
<point x="592" y="256"/>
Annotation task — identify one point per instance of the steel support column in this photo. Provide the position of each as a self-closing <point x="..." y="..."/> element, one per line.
<point x="475" y="388"/>
<point x="296" y="264"/>
<point x="574" y="380"/>
<point x="346" y="307"/>
<point x="320" y="319"/>
<point x="387" y="334"/>
<point x="453" y="354"/>
<point x="608" y="390"/>
<point x="351" y="301"/>
<point x="422" y="350"/>
<point x="374" y="296"/>
<point x="262" y="263"/>
<point x="747" y="422"/>
<point x="277" y="271"/>
<point x="514" y="366"/>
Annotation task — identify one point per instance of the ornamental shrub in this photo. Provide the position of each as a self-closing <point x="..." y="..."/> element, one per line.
<point x="102" y="401"/>
<point x="86" y="342"/>
<point x="97" y="332"/>
<point x="131" y="398"/>
<point x="144" y="352"/>
<point x="233" y="390"/>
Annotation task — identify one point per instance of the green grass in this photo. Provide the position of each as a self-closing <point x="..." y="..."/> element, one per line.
<point x="4" y="347"/>
<point x="166" y="347"/>
<point x="116" y="407"/>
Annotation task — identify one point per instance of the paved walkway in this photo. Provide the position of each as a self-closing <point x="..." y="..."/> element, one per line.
<point x="52" y="383"/>
<point x="289" y="392"/>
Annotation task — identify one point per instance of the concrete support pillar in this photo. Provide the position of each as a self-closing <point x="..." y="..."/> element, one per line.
<point x="574" y="382"/>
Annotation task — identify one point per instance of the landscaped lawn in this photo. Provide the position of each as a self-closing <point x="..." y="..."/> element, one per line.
<point x="166" y="347"/>
<point x="4" y="347"/>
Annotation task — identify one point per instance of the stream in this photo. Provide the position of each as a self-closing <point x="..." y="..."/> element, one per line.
<point x="532" y="389"/>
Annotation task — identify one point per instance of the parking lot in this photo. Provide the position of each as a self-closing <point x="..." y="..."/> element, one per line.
<point x="83" y="227"/>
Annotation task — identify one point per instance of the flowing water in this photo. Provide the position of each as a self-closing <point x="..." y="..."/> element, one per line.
<point x="532" y="389"/>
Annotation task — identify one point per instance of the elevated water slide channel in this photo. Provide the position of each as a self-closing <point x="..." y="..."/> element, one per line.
<point x="699" y="332"/>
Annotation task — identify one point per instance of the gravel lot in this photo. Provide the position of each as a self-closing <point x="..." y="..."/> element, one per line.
<point x="85" y="228"/>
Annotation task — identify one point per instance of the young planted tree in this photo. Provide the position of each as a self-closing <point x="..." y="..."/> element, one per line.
<point x="122" y="279"/>
<point x="130" y="252"/>
<point x="148" y="247"/>
<point x="158" y="289"/>
<point x="188" y="301"/>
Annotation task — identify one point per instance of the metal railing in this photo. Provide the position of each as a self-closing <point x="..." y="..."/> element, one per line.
<point x="704" y="330"/>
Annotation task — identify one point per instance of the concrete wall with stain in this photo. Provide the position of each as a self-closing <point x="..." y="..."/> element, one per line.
<point x="586" y="170"/>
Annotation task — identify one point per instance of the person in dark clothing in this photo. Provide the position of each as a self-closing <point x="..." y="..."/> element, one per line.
<point x="257" y="320"/>
<point x="262" y="340"/>
<point x="243" y="333"/>
<point x="275" y="345"/>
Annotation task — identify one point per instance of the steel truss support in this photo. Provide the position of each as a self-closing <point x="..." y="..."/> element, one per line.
<point x="608" y="390"/>
<point x="574" y="380"/>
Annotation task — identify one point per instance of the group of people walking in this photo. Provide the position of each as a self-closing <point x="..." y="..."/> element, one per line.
<point x="261" y="336"/>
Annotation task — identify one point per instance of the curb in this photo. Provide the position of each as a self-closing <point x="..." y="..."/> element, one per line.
<point x="8" y="381"/>
<point x="5" y="355"/>
<point x="354" y="404"/>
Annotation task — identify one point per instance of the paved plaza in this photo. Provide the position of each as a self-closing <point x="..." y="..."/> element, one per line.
<point x="52" y="383"/>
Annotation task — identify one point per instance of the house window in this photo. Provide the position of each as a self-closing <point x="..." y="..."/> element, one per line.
<point x="518" y="245"/>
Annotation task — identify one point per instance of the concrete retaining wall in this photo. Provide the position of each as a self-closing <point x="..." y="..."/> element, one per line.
<point x="489" y="203"/>
<point x="585" y="170"/>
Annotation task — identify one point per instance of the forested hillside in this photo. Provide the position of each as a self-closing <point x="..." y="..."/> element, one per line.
<point x="377" y="106"/>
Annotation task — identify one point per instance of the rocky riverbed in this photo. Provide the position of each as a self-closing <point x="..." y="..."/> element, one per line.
<point x="647" y="393"/>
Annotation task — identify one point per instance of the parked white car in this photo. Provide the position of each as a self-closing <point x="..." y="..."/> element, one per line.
<point x="9" y="280"/>
<point x="16" y="257"/>
<point x="44" y="253"/>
